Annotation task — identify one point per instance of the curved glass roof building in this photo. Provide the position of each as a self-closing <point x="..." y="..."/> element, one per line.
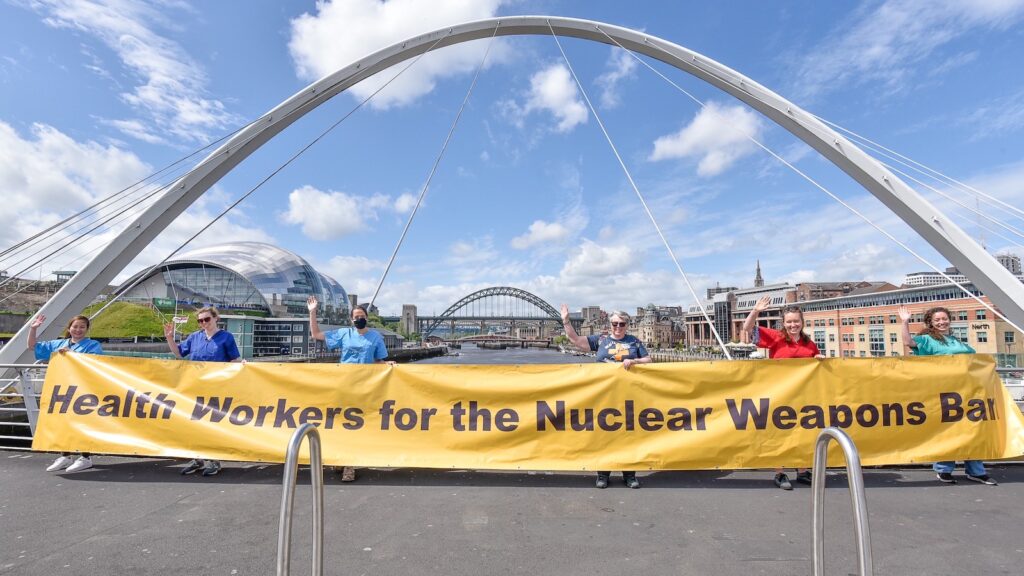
<point x="249" y="277"/>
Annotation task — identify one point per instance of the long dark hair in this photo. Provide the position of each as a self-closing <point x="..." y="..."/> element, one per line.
<point x="804" y="338"/>
<point x="929" y="329"/>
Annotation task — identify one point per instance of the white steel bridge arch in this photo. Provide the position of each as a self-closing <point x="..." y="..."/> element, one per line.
<point x="947" y="238"/>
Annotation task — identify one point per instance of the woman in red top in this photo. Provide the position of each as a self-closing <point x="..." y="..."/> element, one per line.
<point x="790" y="342"/>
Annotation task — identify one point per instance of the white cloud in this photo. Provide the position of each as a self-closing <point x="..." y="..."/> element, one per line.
<point x="343" y="31"/>
<point x="592" y="260"/>
<point x="471" y="253"/>
<point x="172" y="89"/>
<point x="621" y="66"/>
<point x="47" y="176"/>
<point x="540" y="232"/>
<point x="718" y="136"/>
<point x="997" y="116"/>
<point x="405" y="203"/>
<point x="551" y="90"/>
<point x="884" y="41"/>
<point x="332" y="214"/>
<point x="326" y="215"/>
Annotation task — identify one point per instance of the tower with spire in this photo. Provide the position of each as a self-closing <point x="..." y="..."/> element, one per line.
<point x="758" y="280"/>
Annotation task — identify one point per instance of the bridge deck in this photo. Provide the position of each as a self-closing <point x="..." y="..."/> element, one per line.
<point x="141" y="517"/>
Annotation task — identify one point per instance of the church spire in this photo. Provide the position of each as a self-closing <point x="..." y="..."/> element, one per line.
<point x="758" y="281"/>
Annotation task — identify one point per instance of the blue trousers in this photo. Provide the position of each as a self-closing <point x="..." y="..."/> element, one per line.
<point x="973" y="467"/>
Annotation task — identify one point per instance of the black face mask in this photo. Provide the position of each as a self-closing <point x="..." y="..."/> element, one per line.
<point x="360" y="323"/>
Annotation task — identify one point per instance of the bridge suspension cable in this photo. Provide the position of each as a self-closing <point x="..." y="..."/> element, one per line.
<point x="922" y="168"/>
<point x="632" y="183"/>
<point x="815" y="183"/>
<point x="266" y="179"/>
<point x="433" y="169"/>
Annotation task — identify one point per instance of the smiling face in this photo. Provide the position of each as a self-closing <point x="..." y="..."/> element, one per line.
<point x="619" y="326"/>
<point x="793" y="323"/>
<point x="940" y="321"/>
<point x="78" y="329"/>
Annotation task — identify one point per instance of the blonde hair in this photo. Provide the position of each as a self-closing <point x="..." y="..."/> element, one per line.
<point x="211" y="309"/>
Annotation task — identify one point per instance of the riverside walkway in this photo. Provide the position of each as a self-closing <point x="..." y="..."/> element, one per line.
<point x="140" y="516"/>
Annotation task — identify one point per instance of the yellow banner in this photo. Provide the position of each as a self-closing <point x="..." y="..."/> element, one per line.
<point x="696" y="415"/>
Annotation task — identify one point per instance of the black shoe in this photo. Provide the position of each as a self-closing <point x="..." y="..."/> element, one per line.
<point x="602" y="481"/>
<point x="946" y="477"/>
<point x="782" y="481"/>
<point x="804" y="477"/>
<point x="984" y="479"/>
<point x="192" y="467"/>
<point x="212" y="468"/>
<point x="631" y="481"/>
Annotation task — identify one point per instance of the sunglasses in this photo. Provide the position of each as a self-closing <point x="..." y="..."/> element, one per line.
<point x="620" y="324"/>
<point x="204" y="320"/>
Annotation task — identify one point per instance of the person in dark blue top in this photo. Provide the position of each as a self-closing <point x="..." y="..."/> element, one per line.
<point x="615" y="347"/>
<point x="74" y="341"/>
<point x="208" y="344"/>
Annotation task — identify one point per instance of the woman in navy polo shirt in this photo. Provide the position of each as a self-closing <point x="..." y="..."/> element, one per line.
<point x="75" y="341"/>
<point x="208" y="344"/>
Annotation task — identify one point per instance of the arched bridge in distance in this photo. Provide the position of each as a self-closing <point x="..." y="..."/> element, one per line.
<point x="514" y="312"/>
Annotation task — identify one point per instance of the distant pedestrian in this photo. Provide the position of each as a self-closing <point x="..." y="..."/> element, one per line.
<point x="74" y="340"/>
<point x="208" y="344"/>
<point x="790" y="342"/>
<point x="359" y="345"/>
<point x="936" y="339"/>
<point x="616" y="347"/>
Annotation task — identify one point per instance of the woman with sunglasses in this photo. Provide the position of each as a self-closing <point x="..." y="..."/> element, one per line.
<point x="208" y="344"/>
<point x="936" y="339"/>
<point x="75" y="341"/>
<point x="790" y="342"/>
<point x="615" y="347"/>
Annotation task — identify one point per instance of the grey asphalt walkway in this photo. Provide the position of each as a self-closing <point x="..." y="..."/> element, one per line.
<point x="136" y="516"/>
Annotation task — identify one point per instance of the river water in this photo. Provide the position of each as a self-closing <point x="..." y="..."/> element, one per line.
<point x="470" y="354"/>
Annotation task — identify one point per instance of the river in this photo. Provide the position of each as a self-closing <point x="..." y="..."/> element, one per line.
<point x="470" y="354"/>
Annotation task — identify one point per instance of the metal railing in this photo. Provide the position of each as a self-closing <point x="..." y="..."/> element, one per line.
<point x="316" y="475"/>
<point x="19" y="404"/>
<point x="860" y="507"/>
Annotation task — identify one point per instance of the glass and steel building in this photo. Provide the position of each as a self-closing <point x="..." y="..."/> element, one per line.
<point x="250" y="278"/>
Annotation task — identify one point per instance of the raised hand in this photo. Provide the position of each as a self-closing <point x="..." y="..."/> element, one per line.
<point x="37" y="321"/>
<point x="311" y="303"/>
<point x="904" y="314"/>
<point x="762" y="303"/>
<point x="565" y="313"/>
<point x="169" y="330"/>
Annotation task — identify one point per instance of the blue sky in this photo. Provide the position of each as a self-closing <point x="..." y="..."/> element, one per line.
<point x="95" y="94"/>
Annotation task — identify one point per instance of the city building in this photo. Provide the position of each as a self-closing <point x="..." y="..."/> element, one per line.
<point x="1011" y="262"/>
<point x="869" y="325"/>
<point x="253" y="278"/>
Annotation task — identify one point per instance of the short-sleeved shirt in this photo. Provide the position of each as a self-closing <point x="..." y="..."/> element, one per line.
<point x="220" y="347"/>
<point x="357" y="348"/>
<point x="778" y="347"/>
<point x="929" y="346"/>
<point x="610" y="349"/>
<point x="46" y="349"/>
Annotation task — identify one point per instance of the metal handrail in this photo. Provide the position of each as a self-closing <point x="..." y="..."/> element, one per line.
<point x="316" y="474"/>
<point x="860" y="507"/>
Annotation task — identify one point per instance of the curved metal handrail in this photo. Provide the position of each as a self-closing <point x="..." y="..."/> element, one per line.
<point x="316" y="474"/>
<point x="860" y="507"/>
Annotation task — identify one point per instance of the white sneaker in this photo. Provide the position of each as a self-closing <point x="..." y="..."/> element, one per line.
<point x="60" y="463"/>
<point x="81" y="463"/>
